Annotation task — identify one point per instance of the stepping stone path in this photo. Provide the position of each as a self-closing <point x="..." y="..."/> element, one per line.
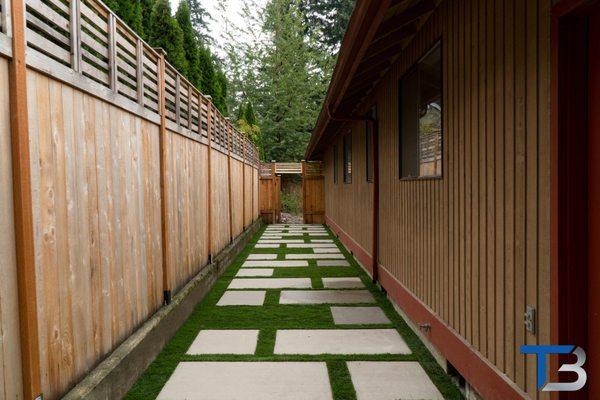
<point x="295" y="324"/>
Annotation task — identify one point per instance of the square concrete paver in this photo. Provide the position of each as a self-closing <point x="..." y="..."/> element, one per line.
<point x="343" y="283"/>
<point x="359" y="316"/>
<point x="320" y="250"/>
<point x="325" y="297"/>
<point x="266" y="246"/>
<point x="340" y="341"/>
<point x="279" y="241"/>
<point x="332" y="263"/>
<point x="220" y="341"/>
<point x="311" y="245"/>
<point x="255" y="272"/>
<point x="313" y="256"/>
<point x="391" y="380"/>
<point x="270" y="283"/>
<point x="275" y="263"/>
<point x="248" y="381"/>
<point x="262" y="257"/>
<point x="242" y="298"/>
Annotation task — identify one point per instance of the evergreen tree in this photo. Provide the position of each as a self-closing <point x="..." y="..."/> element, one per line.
<point x="147" y="6"/>
<point x="190" y="44"/>
<point x="166" y="33"/>
<point x="327" y="21"/>
<point x="131" y="13"/>
<point x="220" y="96"/>
<point x="207" y="71"/>
<point x="200" y="18"/>
<point x="249" y="115"/>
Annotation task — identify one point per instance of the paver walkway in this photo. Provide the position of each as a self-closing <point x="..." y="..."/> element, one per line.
<point x="294" y="318"/>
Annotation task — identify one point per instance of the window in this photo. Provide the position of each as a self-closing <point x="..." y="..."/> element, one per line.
<point x="335" y="164"/>
<point x="372" y="114"/>
<point x="348" y="158"/>
<point x="420" y="92"/>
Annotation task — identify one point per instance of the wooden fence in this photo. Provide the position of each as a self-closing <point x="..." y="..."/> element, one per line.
<point x="135" y="179"/>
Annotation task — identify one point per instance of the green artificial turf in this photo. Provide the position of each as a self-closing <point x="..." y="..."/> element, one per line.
<point x="273" y="316"/>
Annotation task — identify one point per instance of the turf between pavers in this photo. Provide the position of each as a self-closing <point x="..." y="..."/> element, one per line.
<point x="273" y="316"/>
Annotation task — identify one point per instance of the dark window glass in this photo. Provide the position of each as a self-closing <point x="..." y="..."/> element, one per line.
<point x="335" y="164"/>
<point x="348" y="158"/>
<point x="420" y="102"/>
<point x="372" y="114"/>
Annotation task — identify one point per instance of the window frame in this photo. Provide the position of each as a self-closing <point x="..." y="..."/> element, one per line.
<point x="335" y="164"/>
<point x="369" y="156"/>
<point x="347" y="157"/>
<point x="415" y="68"/>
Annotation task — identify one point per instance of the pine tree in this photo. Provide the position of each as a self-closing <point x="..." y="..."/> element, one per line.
<point x="327" y="20"/>
<point x="166" y="33"/>
<point x="147" y="6"/>
<point x="207" y="71"/>
<point x="220" y="96"/>
<point x="200" y="18"/>
<point x="190" y="44"/>
<point x="131" y="13"/>
<point x="249" y="115"/>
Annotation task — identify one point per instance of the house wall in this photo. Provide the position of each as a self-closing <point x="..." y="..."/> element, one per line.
<point x="469" y="250"/>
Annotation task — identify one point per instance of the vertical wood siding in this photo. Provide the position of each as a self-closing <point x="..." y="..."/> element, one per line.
<point x="10" y="354"/>
<point x="474" y="245"/>
<point x="342" y="200"/>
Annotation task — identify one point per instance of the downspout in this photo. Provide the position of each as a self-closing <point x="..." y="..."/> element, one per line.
<point x="375" y="198"/>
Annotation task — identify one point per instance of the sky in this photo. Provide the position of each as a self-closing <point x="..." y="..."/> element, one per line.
<point x="217" y="26"/>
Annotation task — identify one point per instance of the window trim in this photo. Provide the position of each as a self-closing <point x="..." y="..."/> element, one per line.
<point x="335" y="164"/>
<point x="368" y="143"/>
<point x="439" y="41"/>
<point x="349" y="176"/>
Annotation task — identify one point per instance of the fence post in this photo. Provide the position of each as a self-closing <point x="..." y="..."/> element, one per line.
<point x="209" y="178"/>
<point x="244" y="180"/>
<point x="272" y="192"/>
<point x="112" y="51"/>
<point x="23" y="207"/>
<point x="164" y="209"/>
<point x="140" y="71"/>
<point x="229" y="146"/>
<point x="75" y="25"/>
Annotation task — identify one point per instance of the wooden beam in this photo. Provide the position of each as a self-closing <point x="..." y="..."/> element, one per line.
<point x="396" y="22"/>
<point x="392" y="41"/>
<point x="164" y="209"/>
<point x="23" y="208"/>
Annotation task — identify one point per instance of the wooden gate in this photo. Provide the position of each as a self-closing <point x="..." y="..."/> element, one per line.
<point x="268" y="195"/>
<point x="313" y="202"/>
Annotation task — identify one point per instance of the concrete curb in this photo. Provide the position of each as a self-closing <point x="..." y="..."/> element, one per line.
<point x="114" y="376"/>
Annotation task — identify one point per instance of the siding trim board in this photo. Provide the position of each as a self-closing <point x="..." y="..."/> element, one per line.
<point x="357" y="251"/>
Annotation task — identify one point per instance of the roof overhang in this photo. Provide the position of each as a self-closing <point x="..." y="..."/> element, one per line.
<point x="377" y="33"/>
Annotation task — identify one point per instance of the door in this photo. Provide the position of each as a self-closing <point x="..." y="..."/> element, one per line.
<point x="313" y="202"/>
<point x="269" y="194"/>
